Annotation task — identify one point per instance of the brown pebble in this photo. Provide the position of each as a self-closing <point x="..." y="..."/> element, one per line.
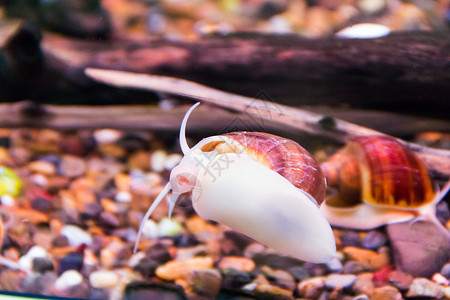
<point x="42" y="167"/>
<point x="238" y="263"/>
<point x="386" y="293"/>
<point x="176" y="269"/>
<point x="72" y="166"/>
<point x="364" y="284"/>
<point x="400" y="280"/>
<point x="311" y="287"/>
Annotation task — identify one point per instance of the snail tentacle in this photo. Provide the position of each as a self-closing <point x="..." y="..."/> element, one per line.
<point x="183" y="142"/>
<point x="155" y="203"/>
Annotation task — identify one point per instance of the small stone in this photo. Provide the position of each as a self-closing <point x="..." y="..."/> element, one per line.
<point x="341" y="281"/>
<point x="26" y="261"/>
<point x="401" y="280"/>
<point x="42" y="265"/>
<point x="139" y="160"/>
<point x="443" y="212"/>
<point x="184" y="254"/>
<point x="109" y="220"/>
<point x="169" y="227"/>
<point x="72" y="261"/>
<point x="186" y="240"/>
<point x="158" y="160"/>
<point x="374" y="239"/>
<point x="60" y="241"/>
<point x="358" y="254"/>
<point x="68" y="279"/>
<point x="386" y="293"/>
<point x="158" y="253"/>
<point x="103" y="279"/>
<point x="233" y="279"/>
<point x="311" y="288"/>
<point x="299" y="273"/>
<point x="447" y="292"/>
<point x="175" y="269"/>
<point x="72" y="166"/>
<point x="107" y="135"/>
<point x="91" y="210"/>
<point x="415" y="243"/>
<point x="150" y="229"/>
<point x="124" y="197"/>
<point x="254" y="248"/>
<point x="382" y="259"/>
<point x="351" y="238"/>
<point x="355" y="267"/>
<point x="42" y="204"/>
<point x="76" y="236"/>
<point x="143" y="290"/>
<point x="42" y="167"/>
<point x="43" y="238"/>
<point x="439" y="279"/>
<point x="364" y="284"/>
<point x="371" y="6"/>
<point x="316" y="270"/>
<point x="146" y="267"/>
<point x="335" y="266"/>
<point x="284" y="280"/>
<point x="10" y="184"/>
<point x="422" y="287"/>
<point x="205" y="282"/>
<point x="172" y="161"/>
<point x="238" y="263"/>
<point x="446" y="270"/>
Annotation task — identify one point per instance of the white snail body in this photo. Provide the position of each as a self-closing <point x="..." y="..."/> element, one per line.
<point x="259" y="184"/>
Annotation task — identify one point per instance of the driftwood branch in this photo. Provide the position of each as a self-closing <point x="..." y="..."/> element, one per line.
<point x="403" y="72"/>
<point x="437" y="160"/>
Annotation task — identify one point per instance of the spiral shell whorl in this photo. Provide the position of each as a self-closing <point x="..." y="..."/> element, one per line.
<point x="390" y="174"/>
<point x="285" y="157"/>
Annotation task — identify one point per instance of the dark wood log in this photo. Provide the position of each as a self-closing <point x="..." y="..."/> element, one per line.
<point x="403" y="72"/>
<point x="436" y="160"/>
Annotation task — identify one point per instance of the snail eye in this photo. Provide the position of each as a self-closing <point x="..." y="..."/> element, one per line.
<point x="182" y="179"/>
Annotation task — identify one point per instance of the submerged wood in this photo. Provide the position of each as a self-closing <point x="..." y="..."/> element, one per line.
<point x="403" y="72"/>
<point x="437" y="160"/>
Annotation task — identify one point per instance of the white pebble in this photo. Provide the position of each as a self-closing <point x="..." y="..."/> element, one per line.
<point x="279" y="25"/>
<point x="135" y="259"/>
<point x="26" y="261"/>
<point x="168" y="227"/>
<point x="158" y="160"/>
<point x="172" y="161"/>
<point x="104" y="136"/>
<point x="103" y="279"/>
<point x="39" y="179"/>
<point x="439" y="279"/>
<point x="68" y="279"/>
<point x="364" y="31"/>
<point x="150" y="229"/>
<point x="8" y="200"/>
<point x="123" y="197"/>
<point x="76" y="235"/>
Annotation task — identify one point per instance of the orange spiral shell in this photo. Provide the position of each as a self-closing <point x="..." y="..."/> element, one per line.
<point x="389" y="172"/>
<point x="283" y="156"/>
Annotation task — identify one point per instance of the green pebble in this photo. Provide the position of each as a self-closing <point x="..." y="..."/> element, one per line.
<point x="10" y="184"/>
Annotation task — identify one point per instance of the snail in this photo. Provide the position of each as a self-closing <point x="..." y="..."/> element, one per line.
<point x="264" y="186"/>
<point x="379" y="181"/>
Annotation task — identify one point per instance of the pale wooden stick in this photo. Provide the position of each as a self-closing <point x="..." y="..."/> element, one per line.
<point x="437" y="160"/>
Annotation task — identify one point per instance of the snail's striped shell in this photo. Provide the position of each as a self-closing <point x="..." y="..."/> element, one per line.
<point x="283" y="156"/>
<point x="390" y="174"/>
